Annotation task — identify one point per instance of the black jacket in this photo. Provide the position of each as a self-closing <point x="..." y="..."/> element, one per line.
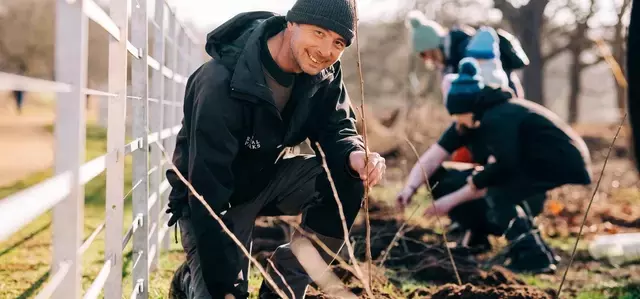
<point x="525" y="138"/>
<point x="232" y="130"/>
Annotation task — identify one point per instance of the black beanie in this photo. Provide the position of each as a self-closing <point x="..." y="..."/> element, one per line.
<point x="335" y="15"/>
<point x="466" y="89"/>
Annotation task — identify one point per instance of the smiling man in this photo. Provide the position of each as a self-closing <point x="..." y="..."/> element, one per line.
<point x="273" y="82"/>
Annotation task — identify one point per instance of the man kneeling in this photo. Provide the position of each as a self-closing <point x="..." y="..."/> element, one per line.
<point x="273" y="82"/>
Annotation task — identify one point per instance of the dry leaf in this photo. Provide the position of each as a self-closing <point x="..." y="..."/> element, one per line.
<point x="555" y="207"/>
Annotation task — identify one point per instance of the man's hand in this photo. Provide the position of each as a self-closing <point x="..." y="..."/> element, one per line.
<point x="376" y="166"/>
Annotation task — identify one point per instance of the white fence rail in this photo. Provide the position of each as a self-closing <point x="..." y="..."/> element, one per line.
<point x="156" y="110"/>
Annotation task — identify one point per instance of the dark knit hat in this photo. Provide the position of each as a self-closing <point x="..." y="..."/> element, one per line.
<point x="466" y="89"/>
<point x="335" y="15"/>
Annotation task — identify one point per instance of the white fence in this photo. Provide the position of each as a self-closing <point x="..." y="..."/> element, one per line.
<point x="156" y="109"/>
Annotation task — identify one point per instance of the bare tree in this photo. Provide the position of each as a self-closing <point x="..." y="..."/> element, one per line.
<point x="26" y="46"/>
<point x="26" y="28"/>
<point x="574" y="37"/>
<point x="527" y="22"/>
<point x="619" y="52"/>
<point x="579" y="43"/>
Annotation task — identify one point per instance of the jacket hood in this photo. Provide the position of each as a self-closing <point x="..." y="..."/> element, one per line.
<point x="227" y="41"/>
<point x="491" y="96"/>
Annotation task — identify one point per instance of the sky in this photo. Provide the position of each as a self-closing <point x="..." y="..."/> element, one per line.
<point x="205" y="14"/>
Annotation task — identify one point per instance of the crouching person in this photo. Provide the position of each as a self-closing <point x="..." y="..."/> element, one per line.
<point x="525" y="150"/>
<point x="273" y="82"/>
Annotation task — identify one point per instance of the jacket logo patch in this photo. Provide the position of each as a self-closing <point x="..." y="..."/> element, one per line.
<point x="252" y="143"/>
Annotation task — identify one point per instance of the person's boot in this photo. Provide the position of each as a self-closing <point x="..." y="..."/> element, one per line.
<point x="180" y="282"/>
<point x="292" y="271"/>
<point x="528" y="253"/>
<point x="526" y="206"/>
<point x="477" y="242"/>
<point x="556" y="259"/>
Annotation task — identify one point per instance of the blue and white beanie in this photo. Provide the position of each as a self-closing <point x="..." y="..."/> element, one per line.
<point x="484" y="46"/>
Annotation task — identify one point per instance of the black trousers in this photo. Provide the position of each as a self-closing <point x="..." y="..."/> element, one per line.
<point x="492" y="213"/>
<point x="292" y="186"/>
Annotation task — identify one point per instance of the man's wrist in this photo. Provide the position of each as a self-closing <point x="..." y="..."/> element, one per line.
<point x="350" y="169"/>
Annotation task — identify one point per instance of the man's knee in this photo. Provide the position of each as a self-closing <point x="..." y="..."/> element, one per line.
<point x="350" y="191"/>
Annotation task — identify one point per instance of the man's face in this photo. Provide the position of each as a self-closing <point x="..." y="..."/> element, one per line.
<point x="465" y="121"/>
<point x="433" y="58"/>
<point x="314" y="48"/>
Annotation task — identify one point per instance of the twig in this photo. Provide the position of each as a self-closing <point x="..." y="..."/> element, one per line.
<point x="345" y="230"/>
<point x="325" y="248"/>
<point x="433" y="202"/>
<point x="366" y="149"/>
<point x="622" y="82"/>
<point x="293" y="295"/>
<point x="224" y="227"/>
<point x="613" y="64"/>
<point x="397" y="234"/>
<point x="586" y="213"/>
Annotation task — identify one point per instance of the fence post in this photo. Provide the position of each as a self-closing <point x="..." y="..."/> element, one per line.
<point x="142" y="250"/>
<point x="169" y="99"/>
<point x="157" y="85"/>
<point x="70" y="134"/>
<point x="116" y="128"/>
<point x="181" y="64"/>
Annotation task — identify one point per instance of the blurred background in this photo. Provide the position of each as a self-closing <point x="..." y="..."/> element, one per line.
<point x="568" y="74"/>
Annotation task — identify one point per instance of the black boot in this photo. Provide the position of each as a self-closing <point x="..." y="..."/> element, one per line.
<point x="180" y="282"/>
<point x="554" y="257"/>
<point x="477" y="242"/>
<point x="528" y="252"/>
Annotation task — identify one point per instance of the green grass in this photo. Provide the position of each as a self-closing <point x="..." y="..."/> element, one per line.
<point x="25" y="258"/>
<point x="631" y="291"/>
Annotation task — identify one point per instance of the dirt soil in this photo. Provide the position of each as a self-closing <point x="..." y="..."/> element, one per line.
<point x="451" y="291"/>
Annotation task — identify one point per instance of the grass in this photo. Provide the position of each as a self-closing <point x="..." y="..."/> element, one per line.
<point x="25" y="258"/>
<point x="631" y="291"/>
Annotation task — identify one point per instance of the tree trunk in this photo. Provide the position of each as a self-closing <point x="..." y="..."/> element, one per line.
<point x="574" y="84"/>
<point x="530" y="35"/>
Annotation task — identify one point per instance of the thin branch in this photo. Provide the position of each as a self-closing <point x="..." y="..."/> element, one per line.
<point x="399" y="233"/>
<point x="345" y="230"/>
<point x="217" y="218"/>
<point x="273" y="266"/>
<point x="621" y="80"/>
<point x="616" y="69"/>
<point x="626" y="4"/>
<point x="433" y="202"/>
<point x="366" y="149"/>
<point x="586" y="213"/>
<point x="592" y="10"/>
<point x="592" y="63"/>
